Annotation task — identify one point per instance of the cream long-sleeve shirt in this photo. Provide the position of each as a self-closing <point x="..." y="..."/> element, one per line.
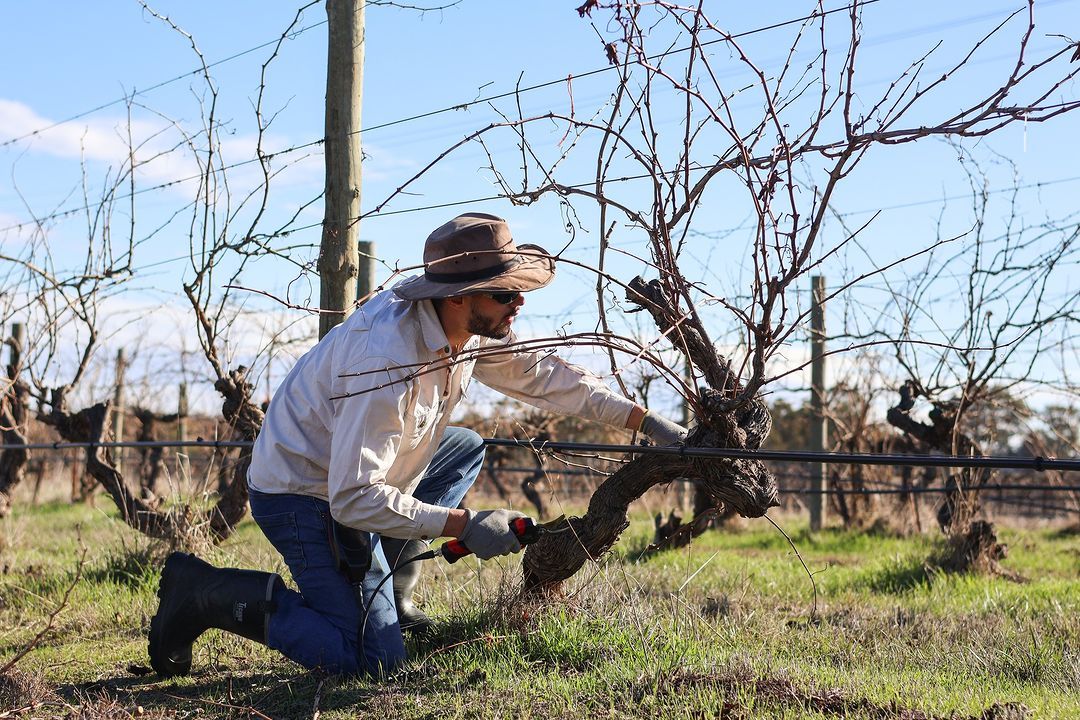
<point x="358" y="419"/>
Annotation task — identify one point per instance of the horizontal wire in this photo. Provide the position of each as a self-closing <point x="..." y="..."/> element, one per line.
<point x="889" y="490"/>
<point x="64" y="445"/>
<point x="576" y="186"/>
<point x="986" y="461"/>
<point x="1039" y="464"/>
<point x="609" y="67"/>
<point x="937" y="490"/>
<point x="158" y="85"/>
<point x="458" y="106"/>
<point x="991" y="191"/>
<point x="461" y="106"/>
<point x="399" y="121"/>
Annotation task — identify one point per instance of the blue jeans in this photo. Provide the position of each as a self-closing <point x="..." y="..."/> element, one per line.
<point x="319" y="627"/>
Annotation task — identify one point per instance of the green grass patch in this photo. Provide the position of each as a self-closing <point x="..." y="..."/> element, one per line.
<point x="727" y="627"/>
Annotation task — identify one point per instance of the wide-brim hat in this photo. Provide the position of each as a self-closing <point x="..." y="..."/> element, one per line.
<point x="475" y="253"/>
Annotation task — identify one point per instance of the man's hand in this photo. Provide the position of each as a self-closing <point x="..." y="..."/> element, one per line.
<point x="661" y="430"/>
<point x="488" y="533"/>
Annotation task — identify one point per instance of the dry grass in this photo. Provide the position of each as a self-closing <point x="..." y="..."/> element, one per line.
<point x="724" y="628"/>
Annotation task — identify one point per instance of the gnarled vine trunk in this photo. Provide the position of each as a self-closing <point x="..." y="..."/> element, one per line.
<point x="13" y="426"/>
<point x="245" y="418"/>
<point x="724" y="420"/>
<point x="973" y="545"/>
<point x="12" y="432"/>
<point x="961" y="503"/>
<point x="92" y="425"/>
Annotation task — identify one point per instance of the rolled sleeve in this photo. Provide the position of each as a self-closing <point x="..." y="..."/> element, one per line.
<point x="550" y="383"/>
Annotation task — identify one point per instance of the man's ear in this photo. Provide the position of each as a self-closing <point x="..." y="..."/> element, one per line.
<point x="456" y="301"/>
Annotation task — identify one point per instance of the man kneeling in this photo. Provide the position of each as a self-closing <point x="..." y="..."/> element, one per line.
<point x="355" y="469"/>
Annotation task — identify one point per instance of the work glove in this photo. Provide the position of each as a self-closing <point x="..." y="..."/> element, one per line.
<point x="488" y="533"/>
<point x="661" y="430"/>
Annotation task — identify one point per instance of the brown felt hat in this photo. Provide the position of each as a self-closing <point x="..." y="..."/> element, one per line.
<point x="475" y="253"/>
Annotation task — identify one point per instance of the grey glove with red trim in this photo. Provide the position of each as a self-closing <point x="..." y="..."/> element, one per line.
<point x="661" y="430"/>
<point x="488" y="533"/>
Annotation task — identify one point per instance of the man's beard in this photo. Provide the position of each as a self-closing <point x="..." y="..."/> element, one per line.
<point x="479" y="325"/>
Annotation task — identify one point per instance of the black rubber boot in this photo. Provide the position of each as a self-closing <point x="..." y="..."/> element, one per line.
<point x="410" y="617"/>
<point x="196" y="596"/>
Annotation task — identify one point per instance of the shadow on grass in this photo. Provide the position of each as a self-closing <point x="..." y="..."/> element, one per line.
<point x="225" y="692"/>
<point x="741" y="693"/>
<point x="1069" y="531"/>
<point x="519" y="629"/>
<point x="903" y="576"/>
<point x="281" y="689"/>
<point x="641" y="549"/>
<point x="449" y="633"/>
<point x="132" y="568"/>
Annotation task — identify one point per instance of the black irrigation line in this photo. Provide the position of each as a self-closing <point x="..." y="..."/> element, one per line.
<point x="1027" y="505"/>
<point x="1039" y="464"/>
<point x="879" y="488"/>
<point x="842" y="458"/>
<point x="987" y="461"/>
<point x="939" y="490"/>
<point x="857" y="491"/>
<point x="129" y="444"/>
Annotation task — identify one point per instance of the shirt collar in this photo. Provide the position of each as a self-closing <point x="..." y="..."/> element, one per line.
<point x="431" y="328"/>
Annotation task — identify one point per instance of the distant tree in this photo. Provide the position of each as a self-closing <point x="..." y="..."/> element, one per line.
<point x="1059" y="435"/>
<point x="791" y="426"/>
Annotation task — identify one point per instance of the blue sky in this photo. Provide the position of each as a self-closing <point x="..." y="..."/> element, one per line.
<point x="63" y="58"/>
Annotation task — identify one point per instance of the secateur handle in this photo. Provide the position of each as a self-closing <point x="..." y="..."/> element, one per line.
<point x="525" y="528"/>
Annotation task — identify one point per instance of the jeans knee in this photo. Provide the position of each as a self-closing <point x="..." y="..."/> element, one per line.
<point x="469" y="441"/>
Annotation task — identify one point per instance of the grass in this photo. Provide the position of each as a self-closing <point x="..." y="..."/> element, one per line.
<point x="727" y="628"/>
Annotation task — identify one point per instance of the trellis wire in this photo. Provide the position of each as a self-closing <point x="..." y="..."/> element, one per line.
<point x="1037" y="463"/>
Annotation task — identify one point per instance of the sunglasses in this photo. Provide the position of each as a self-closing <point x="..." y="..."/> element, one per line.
<point x="504" y="298"/>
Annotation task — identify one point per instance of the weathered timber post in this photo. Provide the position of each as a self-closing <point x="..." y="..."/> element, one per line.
<point x="818" y="428"/>
<point x="338" y="258"/>
<point x="365" y="281"/>
<point x="118" y="409"/>
<point x="182" y="431"/>
<point x="181" y="413"/>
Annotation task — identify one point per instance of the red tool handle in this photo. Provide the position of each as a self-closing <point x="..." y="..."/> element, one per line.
<point x="523" y="527"/>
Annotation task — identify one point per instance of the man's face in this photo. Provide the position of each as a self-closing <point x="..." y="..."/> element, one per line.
<point x="491" y="319"/>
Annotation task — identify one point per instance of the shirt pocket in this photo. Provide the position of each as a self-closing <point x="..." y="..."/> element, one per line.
<point x="424" y="418"/>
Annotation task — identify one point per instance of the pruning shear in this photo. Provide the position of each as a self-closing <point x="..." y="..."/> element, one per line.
<point x="526" y="529"/>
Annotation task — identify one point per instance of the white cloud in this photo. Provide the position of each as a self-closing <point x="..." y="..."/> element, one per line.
<point x="161" y="152"/>
<point x="96" y="139"/>
<point x="158" y="149"/>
